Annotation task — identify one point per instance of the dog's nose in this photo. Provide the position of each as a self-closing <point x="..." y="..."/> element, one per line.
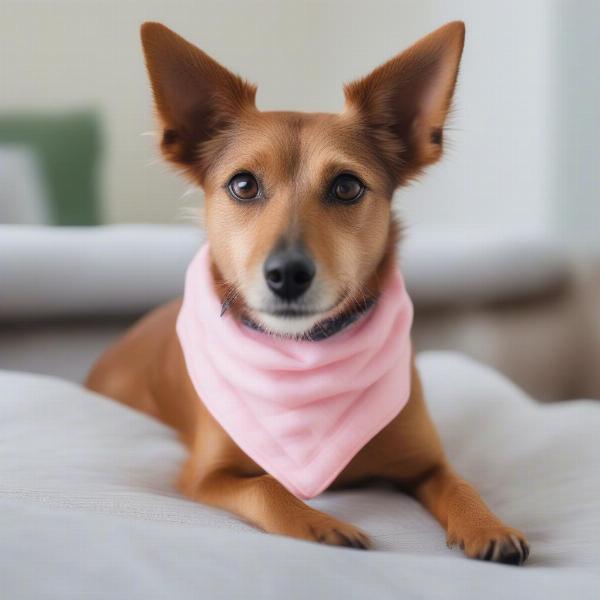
<point x="289" y="273"/>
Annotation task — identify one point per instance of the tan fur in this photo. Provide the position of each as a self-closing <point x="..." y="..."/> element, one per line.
<point x="391" y="128"/>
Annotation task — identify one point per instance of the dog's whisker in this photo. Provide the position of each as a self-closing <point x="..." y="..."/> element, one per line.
<point x="192" y="189"/>
<point x="231" y="295"/>
<point x="225" y="306"/>
<point x="189" y="213"/>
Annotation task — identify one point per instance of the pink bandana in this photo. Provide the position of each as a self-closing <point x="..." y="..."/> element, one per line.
<point x="300" y="409"/>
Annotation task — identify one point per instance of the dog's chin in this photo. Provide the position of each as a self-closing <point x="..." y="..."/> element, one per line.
<point x="291" y="319"/>
<point x="288" y="323"/>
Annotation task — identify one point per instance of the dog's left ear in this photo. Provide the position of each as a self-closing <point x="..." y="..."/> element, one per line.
<point x="404" y="102"/>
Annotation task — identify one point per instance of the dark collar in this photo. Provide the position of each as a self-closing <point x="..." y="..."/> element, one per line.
<point x="326" y="328"/>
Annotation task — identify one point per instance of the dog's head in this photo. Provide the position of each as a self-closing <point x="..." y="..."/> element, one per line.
<point x="297" y="205"/>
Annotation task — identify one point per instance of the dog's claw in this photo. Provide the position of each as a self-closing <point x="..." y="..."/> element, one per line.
<point x="339" y="534"/>
<point x="488" y="553"/>
<point x="501" y="545"/>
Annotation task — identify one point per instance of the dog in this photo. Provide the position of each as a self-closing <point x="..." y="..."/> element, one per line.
<point x="302" y="240"/>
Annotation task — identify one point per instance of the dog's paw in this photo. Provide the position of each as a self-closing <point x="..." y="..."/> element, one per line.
<point x="500" y="544"/>
<point x="327" y="530"/>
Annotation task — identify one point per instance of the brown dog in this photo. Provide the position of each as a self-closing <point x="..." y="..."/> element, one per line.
<point x="390" y="129"/>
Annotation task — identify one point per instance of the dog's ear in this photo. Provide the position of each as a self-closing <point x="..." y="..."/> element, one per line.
<point x="404" y="102"/>
<point x="196" y="98"/>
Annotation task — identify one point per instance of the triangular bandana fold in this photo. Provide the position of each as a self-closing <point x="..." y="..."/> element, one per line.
<point x="300" y="409"/>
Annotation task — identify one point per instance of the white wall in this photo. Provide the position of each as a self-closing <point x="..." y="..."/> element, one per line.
<point x="58" y="53"/>
<point x="574" y="177"/>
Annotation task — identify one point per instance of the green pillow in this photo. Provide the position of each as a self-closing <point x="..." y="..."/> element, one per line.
<point x="67" y="146"/>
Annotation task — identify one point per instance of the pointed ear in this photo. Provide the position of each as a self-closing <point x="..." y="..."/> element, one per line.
<point x="196" y="98"/>
<point x="404" y="102"/>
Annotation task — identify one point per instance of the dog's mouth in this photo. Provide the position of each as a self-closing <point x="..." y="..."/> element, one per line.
<point x="315" y="315"/>
<point x="278" y="316"/>
<point x="287" y="321"/>
<point x="305" y="323"/>
<point x="300" y="310"/>
<point x="291" y="313"/>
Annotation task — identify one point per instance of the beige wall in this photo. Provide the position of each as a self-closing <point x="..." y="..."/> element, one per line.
<point x="61" y="54"/>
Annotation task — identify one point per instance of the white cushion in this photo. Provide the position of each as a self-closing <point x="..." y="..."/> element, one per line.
<point x="88" y="507"/>
<point x="127" y="269"/>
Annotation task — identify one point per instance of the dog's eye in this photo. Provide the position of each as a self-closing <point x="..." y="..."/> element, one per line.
<point x="244" y="187"/>
<point x="347" y="189"/>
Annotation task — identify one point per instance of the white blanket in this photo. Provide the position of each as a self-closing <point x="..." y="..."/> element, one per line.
<point x="88" y="507"/>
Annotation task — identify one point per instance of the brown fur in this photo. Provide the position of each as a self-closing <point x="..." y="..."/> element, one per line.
<point x="391" y="128"/>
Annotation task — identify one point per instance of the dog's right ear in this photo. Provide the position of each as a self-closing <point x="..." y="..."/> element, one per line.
<point x="196" y="98"/>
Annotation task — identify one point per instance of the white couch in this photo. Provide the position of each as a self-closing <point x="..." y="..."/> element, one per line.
<point x="88" y="507"/>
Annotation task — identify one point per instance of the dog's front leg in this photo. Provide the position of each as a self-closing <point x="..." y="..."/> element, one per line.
<point x="265" y="503"/>
<point x="219" y="474"/>
<point x="468" y="521"/>
<point x="418" y="463"/>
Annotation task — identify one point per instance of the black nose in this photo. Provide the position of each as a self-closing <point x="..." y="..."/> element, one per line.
<point x="289" y="273"/>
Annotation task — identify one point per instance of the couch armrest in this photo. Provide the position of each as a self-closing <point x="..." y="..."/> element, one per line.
<point x="466" y="267"/>
<point x="49" y="272"/>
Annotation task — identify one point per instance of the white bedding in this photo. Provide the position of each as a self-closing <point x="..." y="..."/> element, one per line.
<point x="88" y="508"/>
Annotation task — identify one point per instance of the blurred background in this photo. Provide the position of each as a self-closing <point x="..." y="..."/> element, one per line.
<point x="502" y="247"/>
